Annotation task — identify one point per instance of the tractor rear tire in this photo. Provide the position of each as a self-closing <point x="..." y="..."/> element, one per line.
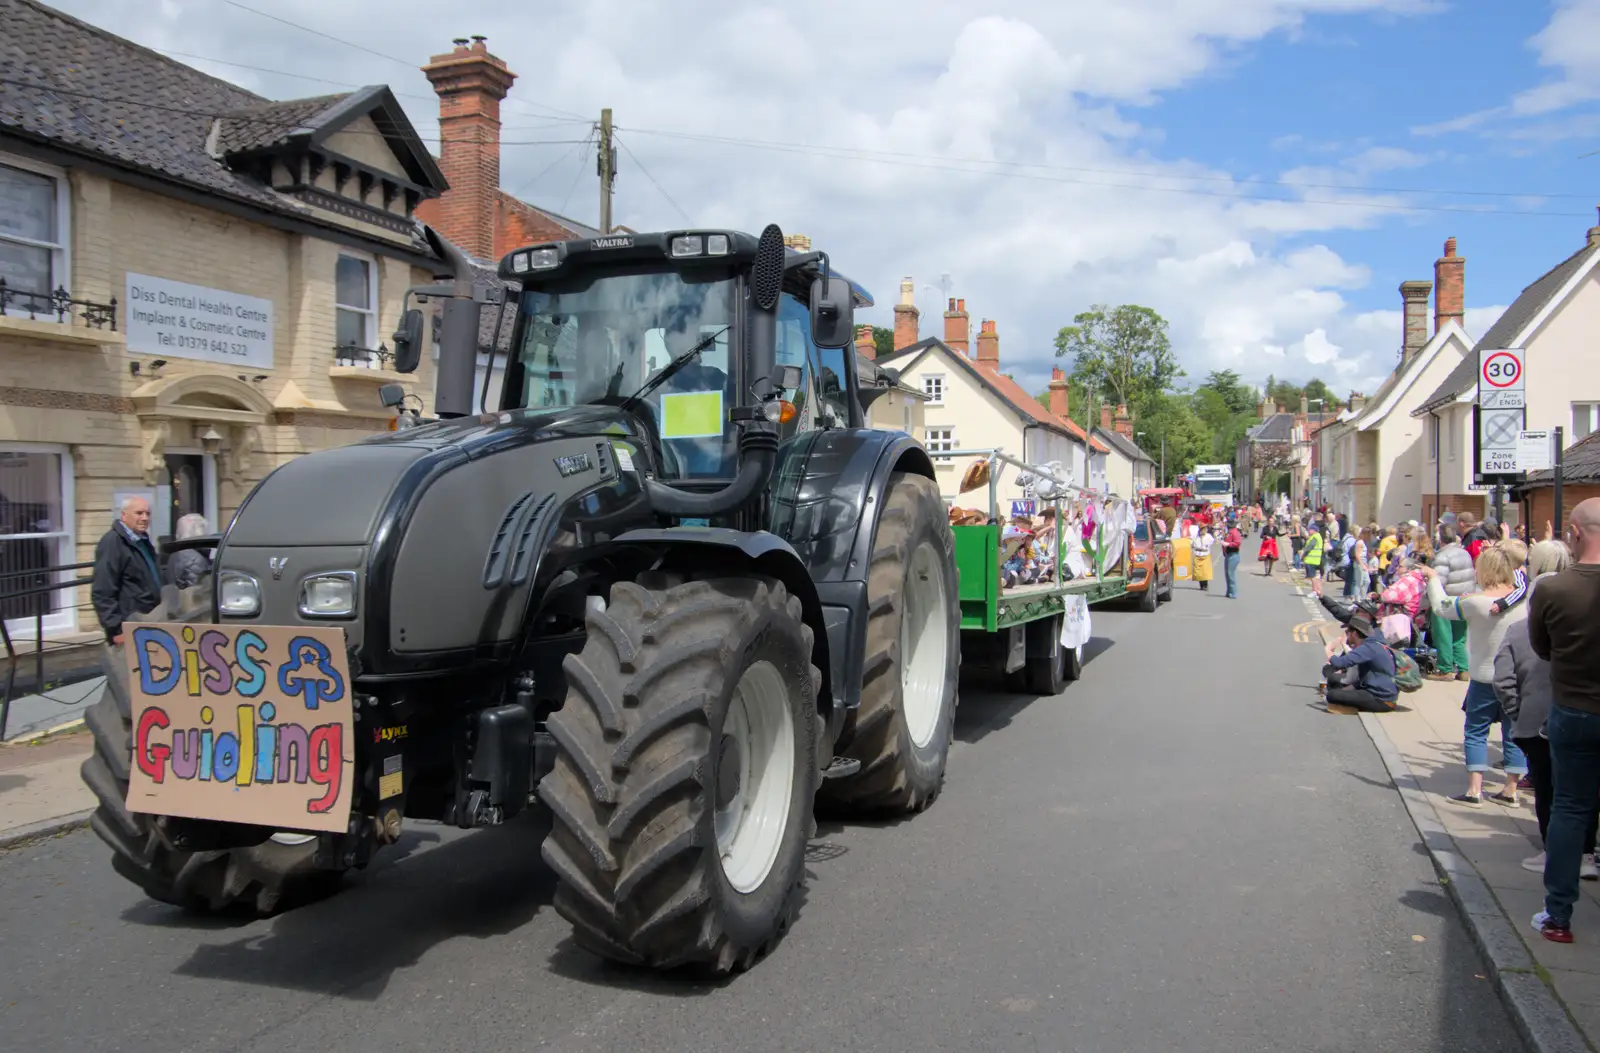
<point x="913" y="656"/>
<point x="690" y="725"/>
<point x="260" y="879"/>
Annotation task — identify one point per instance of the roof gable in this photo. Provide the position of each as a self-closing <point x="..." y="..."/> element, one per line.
<point x="1008" y="391"/>
<point x="1532" y="307"/>
<point x="1383" y="402"/>
<point x="1123" y="445"/>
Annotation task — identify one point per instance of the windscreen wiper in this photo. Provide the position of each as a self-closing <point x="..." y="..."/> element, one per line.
<point x="671" y="369"/>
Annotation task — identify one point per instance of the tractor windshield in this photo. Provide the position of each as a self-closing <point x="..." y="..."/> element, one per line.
<point x="597" y="338"/>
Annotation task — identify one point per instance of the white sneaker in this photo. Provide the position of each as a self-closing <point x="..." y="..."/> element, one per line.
<point x="1534" y="863"/>
<point x="1539" y="919"/>
<point x="1587" y="869"/>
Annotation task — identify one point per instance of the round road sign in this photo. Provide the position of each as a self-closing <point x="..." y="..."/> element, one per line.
<point x="1500" y="429"/>
<point x="1501" y="370"/>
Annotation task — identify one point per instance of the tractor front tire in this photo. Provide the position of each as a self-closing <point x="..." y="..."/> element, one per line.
<point x="908" y="690"/>
<point x="260" y="878"/>
<point x="686" y="773"/>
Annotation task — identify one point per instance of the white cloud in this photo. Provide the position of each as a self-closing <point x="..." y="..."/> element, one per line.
<point x="1059" y="87"/>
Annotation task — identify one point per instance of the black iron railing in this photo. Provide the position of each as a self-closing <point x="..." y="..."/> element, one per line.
<point x="60" y="305"/>
<point x="40" y="592"/>
<point x="356" y="355"/>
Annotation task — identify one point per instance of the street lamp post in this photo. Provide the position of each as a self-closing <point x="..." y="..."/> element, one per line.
<point x="1322" y="465"/>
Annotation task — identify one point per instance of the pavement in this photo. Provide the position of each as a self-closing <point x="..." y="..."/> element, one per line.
<point x="59" y="706"/>
<point x="1183" y="850"/>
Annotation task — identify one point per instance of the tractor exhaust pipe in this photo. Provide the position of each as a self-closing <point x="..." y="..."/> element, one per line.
<point x="458" y="333"/>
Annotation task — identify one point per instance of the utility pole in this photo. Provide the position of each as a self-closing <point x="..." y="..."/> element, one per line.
<point x="608" y="170"/>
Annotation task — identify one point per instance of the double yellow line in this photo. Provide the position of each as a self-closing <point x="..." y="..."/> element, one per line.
<point x="1304" y="632"/>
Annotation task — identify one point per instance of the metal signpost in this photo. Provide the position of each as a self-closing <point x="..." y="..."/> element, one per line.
<point x="1499" y="419"/>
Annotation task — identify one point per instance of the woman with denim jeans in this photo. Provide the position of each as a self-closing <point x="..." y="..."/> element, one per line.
<point x="1486" y="630"/>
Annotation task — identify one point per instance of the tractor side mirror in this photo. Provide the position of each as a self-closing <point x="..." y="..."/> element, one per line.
<point x="408" y="343"/>
<point x="832" y="313"/>
<point x="392" y="395"/>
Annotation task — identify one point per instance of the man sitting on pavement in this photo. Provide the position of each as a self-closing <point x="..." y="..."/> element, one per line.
<point x="127" y="575"/>
<point x="1564" y="629"/>
<point x="1363" y="650"/>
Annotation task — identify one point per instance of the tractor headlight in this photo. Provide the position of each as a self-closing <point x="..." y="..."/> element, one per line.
<point x="328" y="595"/>
<point x="687" y="245"/>
<point x="716" y="245"/>
<point x="238" y="594"/>
<point x="542" y="259"/>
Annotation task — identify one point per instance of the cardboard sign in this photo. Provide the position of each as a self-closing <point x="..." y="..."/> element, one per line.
<point x="242" y="723"/>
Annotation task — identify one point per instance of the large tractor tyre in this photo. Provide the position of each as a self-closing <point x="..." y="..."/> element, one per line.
<point x="686" y="773"/>
<point x="913" y="656"/>
<point x="260" y="878"/>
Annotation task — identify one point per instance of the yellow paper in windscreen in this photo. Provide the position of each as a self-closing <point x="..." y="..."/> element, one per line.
<point x="691" y="415"/>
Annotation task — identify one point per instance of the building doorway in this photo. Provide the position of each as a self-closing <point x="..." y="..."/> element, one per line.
<point x="191" y="489"/>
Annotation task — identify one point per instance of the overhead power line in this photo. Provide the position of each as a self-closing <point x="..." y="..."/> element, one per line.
<point x="533" y="181"/>
<point x="268" y="122"/>
<point x="413" y="66"/>
<point x="653" y="181"/>
<point x="909" y="160"/>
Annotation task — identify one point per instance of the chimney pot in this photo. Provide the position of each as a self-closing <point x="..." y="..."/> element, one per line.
<point x="1059" y="405"/>
<point x="988" y="345"/>
<point x="470" y="83"/>
<point x="1414" y="305"/>
<point x="1449" y="287"/>
<point x="1594" y="235"/>
<point x="957" y="329"/>
<point x="1124" y="422"/>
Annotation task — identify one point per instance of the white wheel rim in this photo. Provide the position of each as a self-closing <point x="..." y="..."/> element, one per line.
<point x="755" y="773"/>
<point x="924" y="645"/>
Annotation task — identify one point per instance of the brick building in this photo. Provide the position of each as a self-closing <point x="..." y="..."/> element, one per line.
<point x="198" y="285"/>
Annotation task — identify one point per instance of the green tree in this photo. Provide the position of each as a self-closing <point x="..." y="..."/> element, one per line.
<point x="1316" y="389"/>
<point x="882" y="341"/>
<point x="1121" y="354"/>
<point x="1189" y="441"/>
<point x="1236" y="395"/>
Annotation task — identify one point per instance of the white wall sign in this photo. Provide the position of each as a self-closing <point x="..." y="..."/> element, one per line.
<point x="1502" y="378"/>
<point x="178" y="320"/>
<point x="1533" y="451"/>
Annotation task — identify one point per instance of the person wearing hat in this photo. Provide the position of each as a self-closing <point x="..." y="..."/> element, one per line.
<point x="1363" y="650"/>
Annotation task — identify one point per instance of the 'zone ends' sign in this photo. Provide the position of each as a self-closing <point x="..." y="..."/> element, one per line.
<point x="1502" y="376"/>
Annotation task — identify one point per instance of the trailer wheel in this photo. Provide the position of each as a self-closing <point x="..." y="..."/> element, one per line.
<point x="908" y="690"/>
<point x="260" y="878"/>
<point x="685" y="774"/>
<point x="1047" y="659"/>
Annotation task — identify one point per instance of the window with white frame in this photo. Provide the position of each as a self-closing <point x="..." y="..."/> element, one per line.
<point x="36" y="520"/>
<point x="933" y="387"/>
<point x="33" y="228"/>
<point x="356" y="311"/>
<point x="1585" y="419"/>
<point x="941" y="440"/>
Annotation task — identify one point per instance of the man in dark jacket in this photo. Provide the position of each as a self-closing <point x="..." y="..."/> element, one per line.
<point x="127" y="578"/>
<point x="1364" y="651"/>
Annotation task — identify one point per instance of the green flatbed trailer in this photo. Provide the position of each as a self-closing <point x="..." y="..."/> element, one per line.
<point x="1016" y="632"/>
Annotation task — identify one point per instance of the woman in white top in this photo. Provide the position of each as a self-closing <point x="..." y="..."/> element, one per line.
<point x="1496" y="568"/>
<point x="1202" y="558"/>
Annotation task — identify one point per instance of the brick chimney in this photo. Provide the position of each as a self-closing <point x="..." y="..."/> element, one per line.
<point x="470" y="83"/>
<point x="1059" y="404"/>
<point x="1594" y="236"/>
<point x="906" y="316"/>
<point x="1449" y="286"/>
<point x="866" y="347"/>
<point x="988" y="345"/>
<point x="1105" y="416"/>
<point x="1261" y="410"/>
<point x="956" y="326"/>
<point x="1414" y="304"/>
<point x="1357" y="400"/>
<point x="1124" y="422"/>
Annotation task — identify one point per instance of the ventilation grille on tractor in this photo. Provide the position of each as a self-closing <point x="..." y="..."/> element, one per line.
<point x="528" y="542"/>
<point x="766" y="277"/>
<point x="494" y="568"/>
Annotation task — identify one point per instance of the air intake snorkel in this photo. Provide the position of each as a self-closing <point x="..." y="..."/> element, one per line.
<point x="758" y="439"/>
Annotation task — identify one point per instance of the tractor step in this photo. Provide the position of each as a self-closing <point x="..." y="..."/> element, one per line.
<point x="841" y="767"/>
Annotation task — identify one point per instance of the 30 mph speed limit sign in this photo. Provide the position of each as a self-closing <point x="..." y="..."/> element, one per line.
<point x="1502" y="378"/>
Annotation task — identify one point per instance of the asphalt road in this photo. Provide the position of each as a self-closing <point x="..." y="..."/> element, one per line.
<point x="1178" y="853"/>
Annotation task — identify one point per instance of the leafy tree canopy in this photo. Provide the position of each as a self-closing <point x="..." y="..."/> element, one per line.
<point x="1122" y="354"/>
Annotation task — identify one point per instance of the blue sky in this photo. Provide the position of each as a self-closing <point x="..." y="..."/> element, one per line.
<point x="901" y="125"/>
<point x="1348" y="83"/>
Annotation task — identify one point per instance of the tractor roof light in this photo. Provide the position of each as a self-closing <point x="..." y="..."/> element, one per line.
<point x="716" y="245"/>
<point x="688" y="245"/>
<point x="542" y="259"/>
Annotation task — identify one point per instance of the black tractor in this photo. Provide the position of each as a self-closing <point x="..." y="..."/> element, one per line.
<point x="671" y="588"/>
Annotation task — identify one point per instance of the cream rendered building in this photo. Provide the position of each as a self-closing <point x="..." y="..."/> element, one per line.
<point x="191" y="294"/>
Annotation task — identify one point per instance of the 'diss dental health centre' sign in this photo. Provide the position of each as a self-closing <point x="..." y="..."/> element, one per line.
<point x="178" y="320"/>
